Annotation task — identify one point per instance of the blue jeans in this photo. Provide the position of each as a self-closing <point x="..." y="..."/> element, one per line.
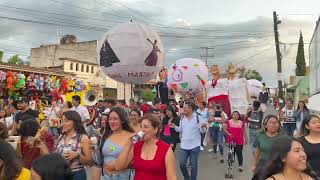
<point x="125" y="175"/>
<point x="184" y="156"/>
<point x="289" y="128"/>
<point x="217" y="139"/>
<point x="252" y="139"/>
<point x="80" y="175"/>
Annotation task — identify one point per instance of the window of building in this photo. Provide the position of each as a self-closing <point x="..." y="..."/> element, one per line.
<point x="92" y="69"/>
<point x="77" y="67"/>
<point x="71" y="66"/>
<point x="87" y="69"/>
<point x="82" y="68"/>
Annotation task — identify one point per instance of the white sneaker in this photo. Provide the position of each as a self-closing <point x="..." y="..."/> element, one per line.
<point x="201" y="148"/>
<point x="210" y="150"/>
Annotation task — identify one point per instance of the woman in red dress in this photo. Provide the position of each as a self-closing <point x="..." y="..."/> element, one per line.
<point x="151" y="158"/>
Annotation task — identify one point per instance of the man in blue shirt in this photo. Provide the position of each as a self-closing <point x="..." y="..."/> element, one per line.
<point x="191" y="125"/>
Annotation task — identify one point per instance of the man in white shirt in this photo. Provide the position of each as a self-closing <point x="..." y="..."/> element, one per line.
<point x="54" y="120"/>
<point x="83" y="112"/>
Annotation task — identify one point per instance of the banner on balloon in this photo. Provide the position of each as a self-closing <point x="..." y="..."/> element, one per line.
<point x="187" y="75"/>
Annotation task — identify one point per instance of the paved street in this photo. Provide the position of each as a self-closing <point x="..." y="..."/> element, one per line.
<point x="211" y="169"/>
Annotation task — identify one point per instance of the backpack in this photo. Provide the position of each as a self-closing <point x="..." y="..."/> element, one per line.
<point x="254" y="120"/>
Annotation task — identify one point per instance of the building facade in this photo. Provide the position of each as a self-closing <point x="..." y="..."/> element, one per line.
<point x="80" y="59"/>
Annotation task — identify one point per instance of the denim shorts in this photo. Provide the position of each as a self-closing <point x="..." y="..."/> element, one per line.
<point x="252" y="138"/>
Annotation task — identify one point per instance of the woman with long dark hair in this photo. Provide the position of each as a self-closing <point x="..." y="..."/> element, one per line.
<point x="287" y="160"/>
<point x="310" y="131"/>
<point x="113" y="140"/>
<point x="74" y="144"/>
<point x="302" y="112"/>
<point x="168" y="134"/>
<point x="271" y="131"/>
<point x="236" y="131"/>
<point x="10" y="164"/>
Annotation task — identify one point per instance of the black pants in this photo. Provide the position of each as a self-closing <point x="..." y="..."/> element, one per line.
<point x="238" y="151"/>
<point x="202" y="138"/>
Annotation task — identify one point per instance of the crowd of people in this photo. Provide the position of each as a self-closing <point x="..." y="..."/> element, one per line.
<point x="76" y="142"/>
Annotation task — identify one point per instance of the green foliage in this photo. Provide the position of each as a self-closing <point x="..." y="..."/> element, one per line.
<point x="300" y="59"/>
<point x="1" y="55"/>
<point x="15" y="59"/>
<point x="249" y="74"/>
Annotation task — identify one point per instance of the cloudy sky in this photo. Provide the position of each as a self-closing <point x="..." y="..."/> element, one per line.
<point x="239" y="31"/>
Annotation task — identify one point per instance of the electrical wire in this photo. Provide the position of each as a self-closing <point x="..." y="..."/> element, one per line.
<point x="60" y="14"/>
<point x="254" y="55"/>
<point x="86" y="9"/>
<point x="55" y="24"/>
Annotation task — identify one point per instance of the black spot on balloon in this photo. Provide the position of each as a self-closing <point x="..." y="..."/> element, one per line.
<point x="107" y="55"/>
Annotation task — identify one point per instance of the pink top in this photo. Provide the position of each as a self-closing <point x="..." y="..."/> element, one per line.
<point x="150" y="169"/>
<point x="237" y="131"/>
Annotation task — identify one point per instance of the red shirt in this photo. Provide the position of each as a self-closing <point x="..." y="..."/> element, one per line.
<point x="145" y="108"/>
<point x="150" y="169"/>
<point x="31" y="153"/>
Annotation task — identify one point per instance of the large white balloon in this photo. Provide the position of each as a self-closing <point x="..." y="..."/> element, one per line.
<point x="131" y="53"/>
<point x="187" y="75"/>
<point x="255" y="87"/>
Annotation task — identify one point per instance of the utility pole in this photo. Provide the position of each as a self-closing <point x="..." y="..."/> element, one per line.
<point x="207" y="53"/>
<point x="276" y="21"/>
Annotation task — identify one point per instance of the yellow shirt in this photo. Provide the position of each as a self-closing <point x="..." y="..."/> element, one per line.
<point x="25" y="174"/>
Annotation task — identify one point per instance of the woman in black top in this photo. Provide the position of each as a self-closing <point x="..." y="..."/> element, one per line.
<point x="168" y="134"/>
<point x="310" y="131"/>
<point x="287" y="161"/>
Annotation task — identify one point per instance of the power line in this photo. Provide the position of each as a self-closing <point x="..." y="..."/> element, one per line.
<point x="254" y="55"/>
<point x="60" y="14"/>
<point x="104" y="29"/>
<point x="215" y="46"/>
<point x="130" y="16"/>
<point x="65" y="21"/>
<point x="133" y="10"/>
<point x="55" y="24"/>
<point x="166" y="26"/>
<point x="86" y="9"/>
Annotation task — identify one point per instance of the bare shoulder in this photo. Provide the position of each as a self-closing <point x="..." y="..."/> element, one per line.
<point x="275" y="177"/>
<point x="128" y="134"/>
<point x="306" y="177"/>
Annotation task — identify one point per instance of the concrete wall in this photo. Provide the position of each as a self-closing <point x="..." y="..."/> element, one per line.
<point x="48" y="55"/>
<point x="124" y="92"/>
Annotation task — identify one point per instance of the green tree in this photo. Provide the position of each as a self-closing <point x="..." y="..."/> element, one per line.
<point x="15" y="59"/>
<point x="300" y="59"/>
<point x="249" y="73"/>
<point x="1" y="55"/>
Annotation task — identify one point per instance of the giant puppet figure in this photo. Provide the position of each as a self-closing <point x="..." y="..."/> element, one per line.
<point x="239" y="95"/>
<point x="217" y="90"/>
